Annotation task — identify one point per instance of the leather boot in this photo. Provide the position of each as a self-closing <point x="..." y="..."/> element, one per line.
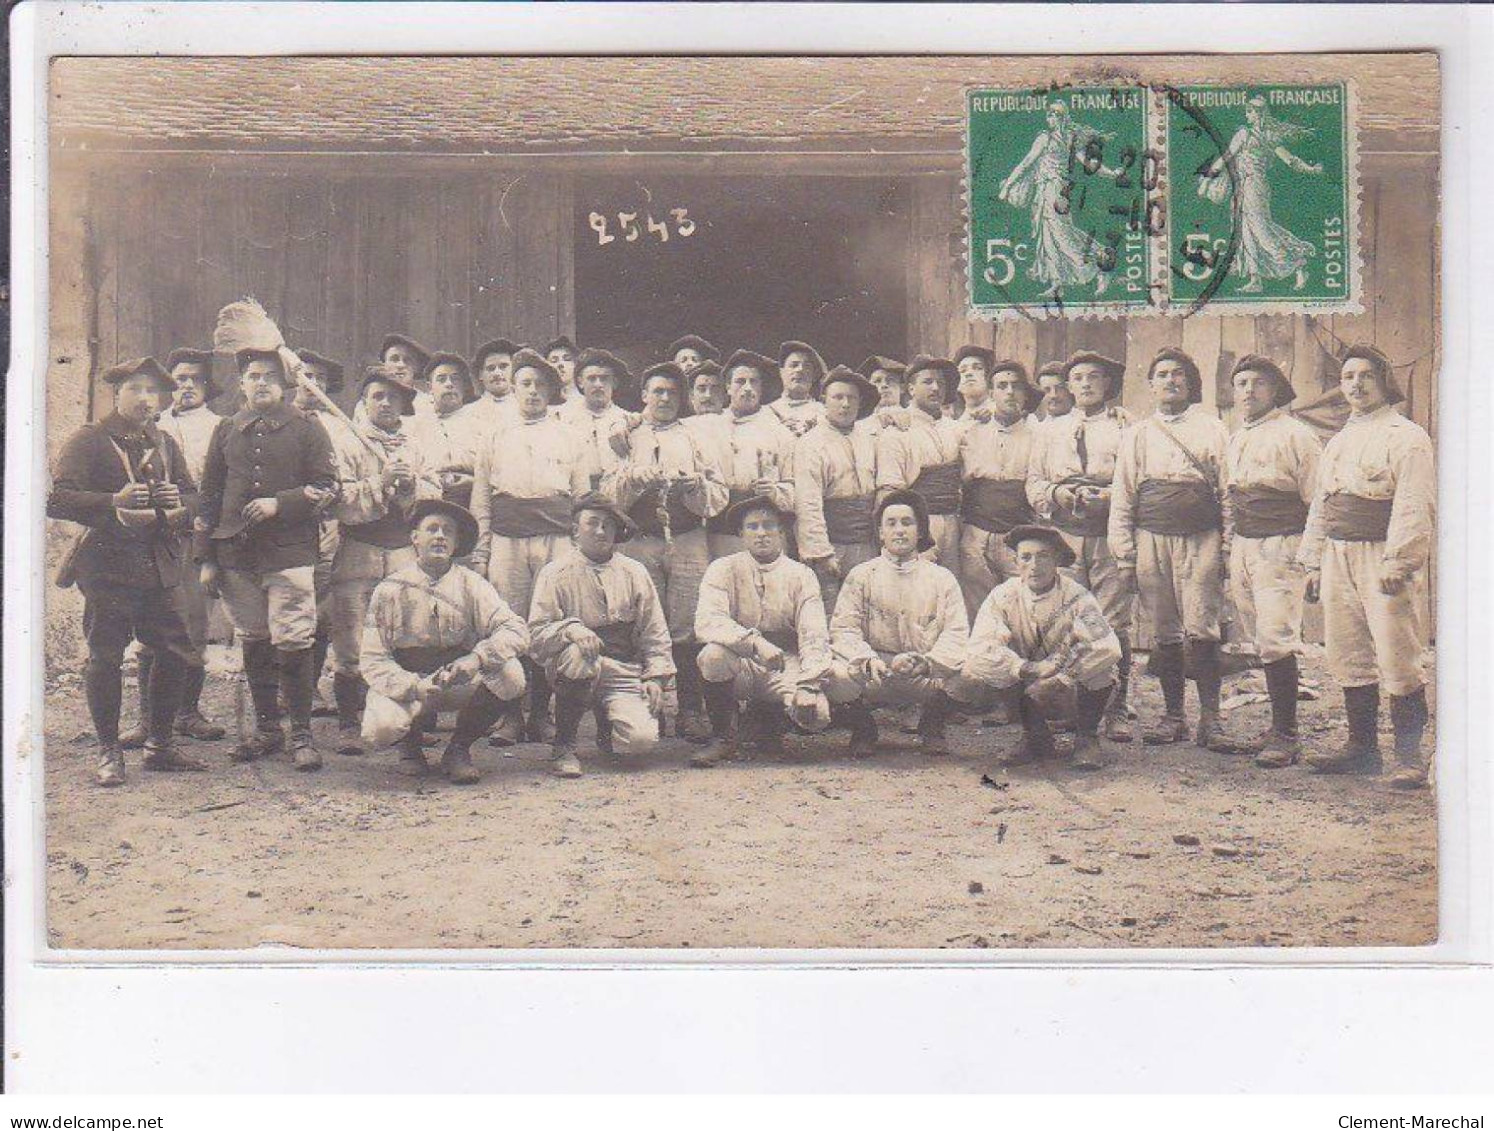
<point x="509" y="729"/>
<point x="134" y="738"/>
<point x="1280" y="746"/>
<point x="1090" y="708"/>
<point x="264" y="689"/>
<point x="1036" y="742"/>
<point x="111" y="766"/>
<point x="572" y="697"/>
<point x="1117" y="724"/>
<point x="537" y="729"/>
<point x="320" y="708"/>
<point x="689" y="723"/>
<point x="474" y="720"/>
<point x="1361" y="754"/>
<point x="189" y="720"/>
<point x="297" y="682"/>
<point x="1167" y="662"/>
<point x="858" y="717"/>
<point x="412" y="746"/>
<point x="604" y="729"/>
<point x="347" y="690"/>
<point x="931" y="725"/>
<point x="164" y="757"/>
<point x="771" y="724"/>
<point x="1201" y="657"/>
<point x="721" y="707"/>
<point x="1408" y="715"/>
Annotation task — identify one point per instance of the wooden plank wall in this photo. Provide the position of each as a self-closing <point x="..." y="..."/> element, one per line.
<point x="338" y="260"/>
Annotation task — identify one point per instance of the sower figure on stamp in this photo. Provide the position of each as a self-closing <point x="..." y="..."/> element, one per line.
<point x="926" y="457"/>
<point x="899" y="632"/>
<point x="756" y="449"/>
<point x="127" y="482"/>
<point x="608" y="394"/>
<point x="599" y="630"/>
<point x="668" y="486"/>
<point x="1166" y="532"/>
<point x="190" y="423"/>
<point x="1044" y="633"/>
<point x="448" y="435"/>
<point x="439" y="637"/>
<point x="764" y="640"/>
<point x="269" y="472"/>
<point x="528" y="474"/>
<point x="327" y="375"/>
<point x="1272" y="471"/>
<point x="381" y="478"/>
<point x="1070" y="486"/>
<point x="995" y="454"/>
<point x="835" y="483"/>
<point x="801" y="369"/>
<point x="1368" y="541"/>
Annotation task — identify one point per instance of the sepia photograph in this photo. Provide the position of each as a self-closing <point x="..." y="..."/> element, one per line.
<point x="662" y="503"/>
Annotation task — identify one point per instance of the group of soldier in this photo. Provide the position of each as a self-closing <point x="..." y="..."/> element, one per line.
<point x="740" y="548"/>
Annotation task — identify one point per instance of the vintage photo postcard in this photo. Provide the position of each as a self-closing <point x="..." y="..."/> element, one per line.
<point x="863" y="502"/>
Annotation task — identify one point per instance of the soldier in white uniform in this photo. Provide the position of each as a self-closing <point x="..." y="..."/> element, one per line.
<point x="493" y="366"/>
<point x="669" y="485"/>
<point x="608" y="394"/>
<point x="889" y="378"/>
<point x="561" y="352"/>
<point x="1272" y="471"/>
<point x="406" y="359"/>
<point x="1366" y="548"/>
<point x="528" y="474"/>
<point x="835" y="483"/>
<point x="599" y="631"/>
<point x="899" y="633"/>
<point x="764" y="640"/>
<point x="1044" y="633"/>
<point x="448" y="435"/>
<point x="691" y="352"/>
<point x="926" y="456"/>
<point x="1166" y="530"/>
<point x="1057" y="399"/>
<point x="801" y="369"/>
<point x="1070" y="487"/>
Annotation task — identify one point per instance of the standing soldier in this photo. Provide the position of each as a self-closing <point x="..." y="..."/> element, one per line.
<point x="328" y="375"/>
<point x="1272" y="470"/>
<point x="190" y="423"/>
<point x="1070" y="487"/>
<point x="269" y="472"/>
<point x="1366" y="548"/>
<point x="756" y="450"/>
<point x="405" y="359"/>
<point x="889" y="377"/>
<point x="899" y="632"/>
<point x="528" y="474"/>
<point x="1053" y="386"/>
<point x="1044" y="633"/>
<point x="801" y="369"/>
<point x="926" y="457"/>
<point x="975" y="365"/>
<point x="1166" y="531"/>
<point x="691" y="352"/>
<point x="493" y="365"/>
<point x="668" y="486"/>
<point x="995" y="455"/>
<point x="761" y="626"/>
<point x="561" y="353"/>
<point x="607" y="396"/>
<point x="600" y="632"/>
<point x="438" y="637"/>
<point x="381" y="478"/>
<point x="128" y="483"/>
<point x="447" y="436"/>
<point x="835" y="483"/>
<point x="707" y="391"/>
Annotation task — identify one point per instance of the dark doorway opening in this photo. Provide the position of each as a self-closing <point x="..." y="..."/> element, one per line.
<point x="744" y="262"/>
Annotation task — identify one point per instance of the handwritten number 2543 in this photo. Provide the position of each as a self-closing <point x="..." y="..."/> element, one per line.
<point x="631" y="232"/>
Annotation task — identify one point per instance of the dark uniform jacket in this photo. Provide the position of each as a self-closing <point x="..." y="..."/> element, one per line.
<point x="255" y="455"/>
<point x="88" y="474"/>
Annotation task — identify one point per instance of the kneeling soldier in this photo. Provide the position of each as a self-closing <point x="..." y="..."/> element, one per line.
<point x="438" y="637"/>
<point x="1044" y="633"/>
<point x="269" y="471"/>
<point x="900" y="630"/>
<point x="128" y="483"/>
<point x="600" y="633"/>
<point x="761" y="625"/>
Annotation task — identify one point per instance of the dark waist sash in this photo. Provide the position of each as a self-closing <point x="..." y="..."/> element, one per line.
<point x="849" y="521"/>
<point x="996" y="505"/>
<point x="940" y="487"/>
<point x="427" y="658"/>
<point x="786" y="638"/>
<point x="512" y="517"/>
<point x="1353" y="518"/>
<point x="617" y="641"/>
<point x="1093" y="521"/>
<point x="645" y="512"/>
<point x="1165" y="506"/>
<point x="388" y="533"/>
<point x="1266" y="512"/>
<point x="717" y="523"/>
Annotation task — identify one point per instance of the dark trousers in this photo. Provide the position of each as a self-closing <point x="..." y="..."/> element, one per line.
<point x="113" y="615"/>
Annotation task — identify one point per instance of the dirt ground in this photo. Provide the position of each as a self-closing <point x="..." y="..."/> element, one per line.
<point x="1166" y="847"/>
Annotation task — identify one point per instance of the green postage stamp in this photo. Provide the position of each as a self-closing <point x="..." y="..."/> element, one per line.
<point x="1141" y="199"/>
